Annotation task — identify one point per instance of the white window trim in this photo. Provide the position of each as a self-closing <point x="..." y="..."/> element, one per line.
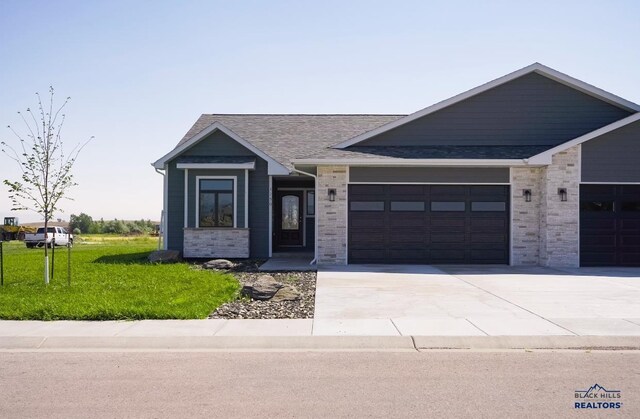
<point x="186" y="198"/>
<point x="247" y="166"/>
<point x="235" y="198"/>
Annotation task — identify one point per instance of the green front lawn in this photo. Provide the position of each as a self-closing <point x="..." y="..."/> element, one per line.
<point x="110" y="280"/>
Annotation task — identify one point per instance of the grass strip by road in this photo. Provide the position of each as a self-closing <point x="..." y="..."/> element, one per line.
<point x="111" y="280"/>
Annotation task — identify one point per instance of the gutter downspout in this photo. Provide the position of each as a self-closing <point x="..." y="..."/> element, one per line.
<point x="315" y="221"/>
<point x="162" y="218"/>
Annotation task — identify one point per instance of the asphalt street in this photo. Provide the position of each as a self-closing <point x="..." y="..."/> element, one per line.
<point x="491" y="384"/>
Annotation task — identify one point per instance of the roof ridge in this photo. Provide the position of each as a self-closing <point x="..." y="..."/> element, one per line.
<point x="305" y="114"/>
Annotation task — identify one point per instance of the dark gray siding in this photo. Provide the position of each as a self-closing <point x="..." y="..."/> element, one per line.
<point x="613" y="157"/>
<point x="530" y="110"/>
<point x="310" y="232"/>
<point x="175" y="211"/>
<point x="462" y="175"/>
<point x="218" y="144"/>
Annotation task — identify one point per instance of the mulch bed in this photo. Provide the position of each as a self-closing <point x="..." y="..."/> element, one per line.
<point x="246" y="308"/>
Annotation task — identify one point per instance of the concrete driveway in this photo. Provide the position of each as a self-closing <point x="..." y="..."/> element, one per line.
<point x="477" y="300"/>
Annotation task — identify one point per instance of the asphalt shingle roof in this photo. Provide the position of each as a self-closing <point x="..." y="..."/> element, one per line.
<point x="431" y="152"/>
<point x="289" y="137"/>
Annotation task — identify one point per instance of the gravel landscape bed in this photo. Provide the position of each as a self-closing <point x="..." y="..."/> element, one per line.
<point x="245" y="307"/>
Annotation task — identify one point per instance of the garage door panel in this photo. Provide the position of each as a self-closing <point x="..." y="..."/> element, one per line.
<point x="412" y="229"/>
<point x="439" y="191"/>
<point x="448" y="255"/>
<point x="408" y="220"/>
<point x="407" y="254"/>
<point x="630" y="240"/>
<point x="487" y="255"/>
<point x="447" y="224"/>
<point x="357" y="191"/>
<point x="604" y="240"/>
<point x="487" y="190"/>
<point x="629" y="225"/>
<point x="437" y="238"/>
<point x="488" y="224"/>
<point x="488" y="238"/>
<point x="407" y="191"/>
<point x="366" y="222"/>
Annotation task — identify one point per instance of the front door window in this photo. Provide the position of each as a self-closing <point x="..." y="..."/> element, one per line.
<point x="290" y="212"/>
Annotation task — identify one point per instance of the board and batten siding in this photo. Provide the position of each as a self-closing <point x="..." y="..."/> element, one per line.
<point x="219" y="144"/>
<point x="530" y="110"/>
<point x="460" y="175"/>
<point x="613" y="157"/>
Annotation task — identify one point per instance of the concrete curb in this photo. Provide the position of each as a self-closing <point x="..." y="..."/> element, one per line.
<point x="213" y="343"/>
<point x="317" y="343"/>
<point x="528" y="342"/>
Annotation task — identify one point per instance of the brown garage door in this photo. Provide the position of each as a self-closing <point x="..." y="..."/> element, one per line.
<point x="610" y="225"/>
<point x="429" y="224"/>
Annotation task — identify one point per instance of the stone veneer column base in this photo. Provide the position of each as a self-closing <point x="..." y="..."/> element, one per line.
<point x="332" y="215"/>
<point x="216" y="243"/>
<point x="559" y="220"/>
<point x="525" y="226"/>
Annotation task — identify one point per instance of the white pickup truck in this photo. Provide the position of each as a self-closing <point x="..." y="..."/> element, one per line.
<point x="61" y="236"/>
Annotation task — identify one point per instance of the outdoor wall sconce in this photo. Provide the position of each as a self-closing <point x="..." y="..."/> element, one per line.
<point x="527" y="195"/>
<point x="563" y="194"/>
<point x="332" y="195"/>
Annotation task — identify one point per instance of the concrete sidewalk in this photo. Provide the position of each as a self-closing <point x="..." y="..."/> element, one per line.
<point x="317" y="327"/>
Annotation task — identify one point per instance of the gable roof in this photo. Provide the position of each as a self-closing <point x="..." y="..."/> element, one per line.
<point x="533" y="68"/>
<point x="274" y="168"/>
<point x="281" y="138"/>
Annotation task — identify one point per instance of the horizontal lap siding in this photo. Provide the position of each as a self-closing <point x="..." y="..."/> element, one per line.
<point x="530" y="110"/>
<point x="613" y="157"/>
<point x="429" y="175"/>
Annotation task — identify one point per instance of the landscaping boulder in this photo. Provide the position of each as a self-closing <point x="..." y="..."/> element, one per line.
<point x="264" y="288"/>
<point x="287" y="293"/>
<point x="219" y="264"/>
<point x="164" y="256"/>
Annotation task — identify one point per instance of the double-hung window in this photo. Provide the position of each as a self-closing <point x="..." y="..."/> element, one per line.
<point x="216" y="206"/>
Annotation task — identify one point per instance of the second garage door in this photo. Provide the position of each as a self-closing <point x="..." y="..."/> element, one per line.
<point x="429" y="224"/>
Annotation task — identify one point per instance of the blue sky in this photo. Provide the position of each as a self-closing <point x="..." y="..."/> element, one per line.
<point x="141" y="72"/>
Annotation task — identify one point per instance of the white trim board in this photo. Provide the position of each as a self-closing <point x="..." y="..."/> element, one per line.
<point x="235" y="198"/>
<point x="416" y="162"/>
<point x="165" y="204"/>
<point x="545" y="157"/>
<point x="186" y="198"/>
<point x="245" y="166"/>
<point x="431" y="183"/>
<point x="274" y="168"/>
<point x="533" y="68"/>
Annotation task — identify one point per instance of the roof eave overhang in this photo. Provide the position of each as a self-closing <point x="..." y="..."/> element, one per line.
<point x="274" y="167"/>
<point x="533" y="68"/>
<point x="415" y="162"/>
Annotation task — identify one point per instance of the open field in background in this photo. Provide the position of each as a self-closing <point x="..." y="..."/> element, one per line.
<point x="110" y="279"/>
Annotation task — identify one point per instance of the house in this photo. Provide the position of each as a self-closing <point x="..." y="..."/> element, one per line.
<point x="533" y="168"/>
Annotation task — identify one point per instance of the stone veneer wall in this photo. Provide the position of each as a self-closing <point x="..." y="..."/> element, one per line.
<point x="525" y="228"/>
<point x="559" y="221"/>
<point x="216" y="243"/>
<point x="332" y="216"/>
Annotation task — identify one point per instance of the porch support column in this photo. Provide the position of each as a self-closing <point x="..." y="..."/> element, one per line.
<point x="331" y="216"/>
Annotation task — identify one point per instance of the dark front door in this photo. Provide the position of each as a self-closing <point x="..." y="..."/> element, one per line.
<point x="289" y="220"/>
<point x="610" y="225"/>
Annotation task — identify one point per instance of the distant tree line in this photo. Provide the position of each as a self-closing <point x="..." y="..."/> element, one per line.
<point x="84" y="224"/>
